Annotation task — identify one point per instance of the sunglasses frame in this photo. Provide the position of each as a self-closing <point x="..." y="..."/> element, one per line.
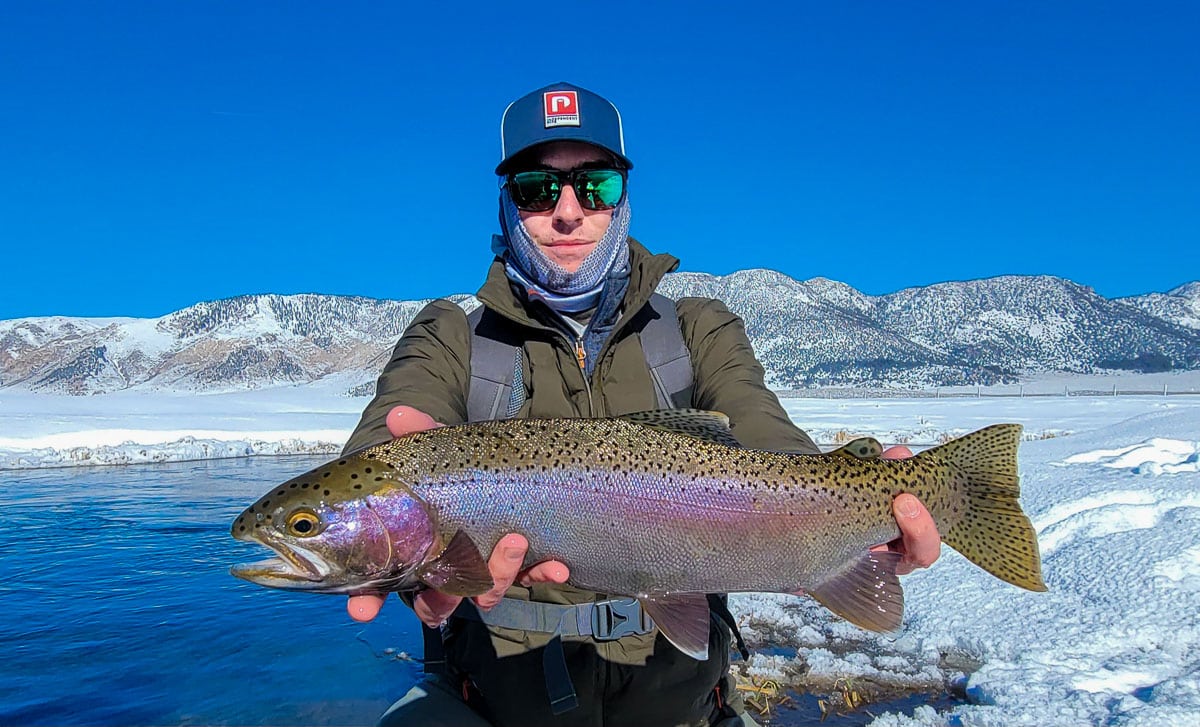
<point x="564" y="178"/>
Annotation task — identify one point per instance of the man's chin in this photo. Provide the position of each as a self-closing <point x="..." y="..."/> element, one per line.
<point x="568" y="257"/>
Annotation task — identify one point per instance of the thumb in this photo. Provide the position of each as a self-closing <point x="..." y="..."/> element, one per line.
<point x="402" y="420"/>
<point x="365" y="607"/>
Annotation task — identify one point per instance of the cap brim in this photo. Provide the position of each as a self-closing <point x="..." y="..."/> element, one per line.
<point x="503" y="167"/>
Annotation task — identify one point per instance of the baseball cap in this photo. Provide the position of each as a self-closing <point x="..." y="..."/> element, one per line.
<point x="557" y="112"/>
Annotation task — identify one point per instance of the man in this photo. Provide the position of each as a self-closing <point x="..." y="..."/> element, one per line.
<point x="570" y="294"/>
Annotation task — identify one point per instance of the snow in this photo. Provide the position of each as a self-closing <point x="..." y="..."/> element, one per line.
<point x="1155" y="456"/>
<point x="1111" y="484"/>
<point x="44" y="430"/>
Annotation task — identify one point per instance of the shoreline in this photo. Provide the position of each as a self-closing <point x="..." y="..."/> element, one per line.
<point x="135" y="427"/>
<point x="187" y="449"/>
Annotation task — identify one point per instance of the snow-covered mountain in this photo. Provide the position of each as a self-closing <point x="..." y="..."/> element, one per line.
<point x="1038" y="323"/>
<point x="238" y="343"/>
<point x="811" y="332"/>
<point x="1181" y="305"/>
<point x="821" y="331"/>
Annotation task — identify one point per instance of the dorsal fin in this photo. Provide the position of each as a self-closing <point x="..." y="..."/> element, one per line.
<point x="711" y="426"/>
<point x="861" y="448"/>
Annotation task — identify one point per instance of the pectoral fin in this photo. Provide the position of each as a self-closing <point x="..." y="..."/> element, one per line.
<point x="459" y="569"/>
<point x="684" y="619"/>
<point x="867" y="594"/>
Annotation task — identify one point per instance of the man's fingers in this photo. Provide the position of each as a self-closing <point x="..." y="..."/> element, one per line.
<point x="550" y="571"/>
<point x="505" y="563"/>
<point x="403" y="420"/>
<point x="921" y="542"/>
<point x="508" y="556"/>
<point x="434" y="607"/>
<point x="364" y="608"/>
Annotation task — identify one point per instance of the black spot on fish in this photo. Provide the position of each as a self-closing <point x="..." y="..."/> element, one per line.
<point x="292" y="486"/>
<point x="280" y="493"/>
<point x="353" y="475"/>
<point x="326" y="493"/>
<point x="325" y="474"/>
<point x="358" y="487"/>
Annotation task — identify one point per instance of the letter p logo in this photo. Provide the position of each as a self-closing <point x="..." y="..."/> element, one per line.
<point x="560" y="102"/>
<point x="561" y="108"/>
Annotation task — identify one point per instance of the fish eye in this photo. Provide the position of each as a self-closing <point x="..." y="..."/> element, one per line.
<point x="303" y="523"/>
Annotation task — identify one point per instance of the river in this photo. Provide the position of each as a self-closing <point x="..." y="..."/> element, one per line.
<point x="119" y="607"/>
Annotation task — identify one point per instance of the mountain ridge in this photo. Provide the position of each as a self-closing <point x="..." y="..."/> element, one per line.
<point x="814" y="332"/>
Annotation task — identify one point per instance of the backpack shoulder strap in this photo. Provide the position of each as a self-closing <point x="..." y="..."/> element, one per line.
<point x="497" y="389"/>
<point x="667" y="355"/>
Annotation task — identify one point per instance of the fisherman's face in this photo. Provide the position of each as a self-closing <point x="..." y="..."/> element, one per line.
<point x="567" y="233"/>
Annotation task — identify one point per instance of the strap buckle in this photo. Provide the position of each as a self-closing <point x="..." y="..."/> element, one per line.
<point x="612" y="620"/>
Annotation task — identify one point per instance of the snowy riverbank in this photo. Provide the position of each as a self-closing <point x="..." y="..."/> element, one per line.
<point x="41" y="430"/>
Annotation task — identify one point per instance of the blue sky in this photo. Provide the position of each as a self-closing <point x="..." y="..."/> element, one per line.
<point x="156" y="154"/>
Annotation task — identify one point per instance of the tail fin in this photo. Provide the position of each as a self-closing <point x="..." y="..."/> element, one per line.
<point x="993" y="533"/>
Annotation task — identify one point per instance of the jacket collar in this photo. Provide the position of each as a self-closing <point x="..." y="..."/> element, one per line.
<point x="646" y="270"/>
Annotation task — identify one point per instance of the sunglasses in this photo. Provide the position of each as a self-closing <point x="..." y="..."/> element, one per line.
<point x="538" y="191"/>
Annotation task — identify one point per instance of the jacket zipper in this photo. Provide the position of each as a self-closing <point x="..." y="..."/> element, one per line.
<point x="581" y="358"/>
<point x="580" y="355"/>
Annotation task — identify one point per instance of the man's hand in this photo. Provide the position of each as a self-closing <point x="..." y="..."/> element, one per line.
<point x="434" y="607"/>
<point x="919" y="541"/>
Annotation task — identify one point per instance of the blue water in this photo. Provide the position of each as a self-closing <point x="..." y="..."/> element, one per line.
<point x="118" y="608"/>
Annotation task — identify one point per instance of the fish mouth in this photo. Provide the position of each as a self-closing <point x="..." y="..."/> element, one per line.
<point x="293" y="568"/>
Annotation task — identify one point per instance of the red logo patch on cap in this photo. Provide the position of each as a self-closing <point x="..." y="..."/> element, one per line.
<point x="561" y="107"/>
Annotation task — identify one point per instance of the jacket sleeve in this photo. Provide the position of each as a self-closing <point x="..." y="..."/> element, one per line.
<point x="728" y="378"/>
<point x="429" y="370"/>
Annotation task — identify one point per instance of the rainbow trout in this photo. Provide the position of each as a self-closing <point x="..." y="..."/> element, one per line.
<point x="664" y="506"/>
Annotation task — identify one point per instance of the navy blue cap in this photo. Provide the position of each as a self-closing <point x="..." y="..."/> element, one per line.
<point x="560" y="111"/>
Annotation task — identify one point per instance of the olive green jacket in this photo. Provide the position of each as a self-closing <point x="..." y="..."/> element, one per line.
<point x="430" y="366"/>
<point x="430" y="371"/>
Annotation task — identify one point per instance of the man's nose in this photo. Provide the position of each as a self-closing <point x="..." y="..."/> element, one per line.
<point x="568" y="212"/>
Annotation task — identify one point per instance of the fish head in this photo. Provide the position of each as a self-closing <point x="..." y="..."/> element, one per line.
<point x="344" y="527"/>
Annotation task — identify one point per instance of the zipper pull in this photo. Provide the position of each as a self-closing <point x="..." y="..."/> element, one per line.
<point x="580" y="354"/>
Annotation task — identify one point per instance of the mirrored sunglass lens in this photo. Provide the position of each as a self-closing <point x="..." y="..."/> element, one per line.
<point x="534" y="190"/>
<point x="600" y="189"/>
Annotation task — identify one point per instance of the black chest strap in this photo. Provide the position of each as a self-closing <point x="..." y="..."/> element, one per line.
<point x="666" y="353"/>
<point x="497" y="390"/>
